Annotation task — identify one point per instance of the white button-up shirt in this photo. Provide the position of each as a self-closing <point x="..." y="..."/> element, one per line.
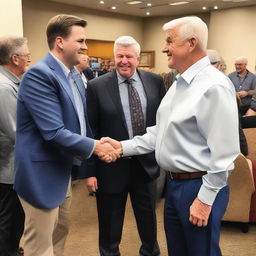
<point x="196" y="128"/>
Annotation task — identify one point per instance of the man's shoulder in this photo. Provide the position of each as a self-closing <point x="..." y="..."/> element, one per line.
<point x="149" y="74"/>
<point x="97" y="81"/>
<point x="232" y="74"/>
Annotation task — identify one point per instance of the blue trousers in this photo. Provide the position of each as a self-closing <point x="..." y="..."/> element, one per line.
<point x="184" y="238"/>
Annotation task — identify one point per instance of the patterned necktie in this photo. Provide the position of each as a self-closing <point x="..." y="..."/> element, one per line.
<point x="137" y="116"/>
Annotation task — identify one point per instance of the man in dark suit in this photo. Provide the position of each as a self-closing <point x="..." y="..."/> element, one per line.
<point x="51" y="137"/>
<point x="112" y="112"/>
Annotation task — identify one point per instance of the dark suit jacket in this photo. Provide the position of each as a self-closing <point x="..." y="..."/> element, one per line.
<point x="88" y="73"/>
<point x="106" y="118"/>
<point x="47" y="135"/>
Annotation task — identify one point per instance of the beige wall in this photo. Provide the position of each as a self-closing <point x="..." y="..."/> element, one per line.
<point x="154" y="37"/>
<point x="102" y="26"/>
<point x="10" y="10"/>
<point x="233" y="33"/>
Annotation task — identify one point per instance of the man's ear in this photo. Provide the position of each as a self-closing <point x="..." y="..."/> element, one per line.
<point x="15" y="60"/>
<point x="192" y="43"/>
<point x="59" y="42"/>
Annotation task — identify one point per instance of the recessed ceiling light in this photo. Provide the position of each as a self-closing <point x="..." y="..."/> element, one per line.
<point x="113" y="7"/>
<point x="147" y="13"/>
<point x="102" y="2"/>
<point x="204" y="8"/>
<point x="134" y="2"/>
<point x="179" y="3"/>
<point x="215" y="7"/>
<point x="149" y="4"/>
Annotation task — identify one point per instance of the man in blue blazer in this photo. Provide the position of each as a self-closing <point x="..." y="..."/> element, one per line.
<point x="52" y="136"/>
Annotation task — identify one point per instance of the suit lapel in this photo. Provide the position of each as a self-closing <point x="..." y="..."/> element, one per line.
<point x="59" y="74"/>
<point x="146" y="82"/>
<point x="112" y="84"/>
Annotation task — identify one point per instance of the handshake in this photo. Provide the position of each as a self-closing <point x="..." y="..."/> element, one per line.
<point x="108" y="150"/>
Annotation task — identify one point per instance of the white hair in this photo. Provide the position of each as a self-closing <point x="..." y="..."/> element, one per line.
<point x="213" y="56"/>
<point x="127" y="41"/>
<point x="190" y="27"/>
<point x="242" y="59"/>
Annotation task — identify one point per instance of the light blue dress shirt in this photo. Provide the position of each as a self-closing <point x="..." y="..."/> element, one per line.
<point x="196" y="128"/>
<point x="123" y="90"/>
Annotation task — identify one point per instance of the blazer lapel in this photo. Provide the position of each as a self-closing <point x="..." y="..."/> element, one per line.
<point x="59" y="74"/>
<point x="112" y="84"/>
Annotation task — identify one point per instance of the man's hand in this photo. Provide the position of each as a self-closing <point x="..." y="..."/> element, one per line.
<point x="91" y="184"/>
<point x="242" y="94"/>
<point x="199" y="213"/>
<point x="114" y="143"/>
<point x="106" y="152"/>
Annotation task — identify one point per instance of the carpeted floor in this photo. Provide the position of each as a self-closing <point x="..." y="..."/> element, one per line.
<point x="83" y="237"/>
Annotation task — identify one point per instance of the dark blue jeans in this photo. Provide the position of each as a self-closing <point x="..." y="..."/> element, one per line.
<point x="184" y="238"/>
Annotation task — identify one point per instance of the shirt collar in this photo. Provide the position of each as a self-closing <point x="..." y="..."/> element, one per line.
<point x="64" y="68"/>
<point x="121" y="79"/>
<point x="193" y="70"/>
<point x="10" y="75"/>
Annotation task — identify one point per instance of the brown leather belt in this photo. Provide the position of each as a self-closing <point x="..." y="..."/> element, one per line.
<point x="186" y="175"/>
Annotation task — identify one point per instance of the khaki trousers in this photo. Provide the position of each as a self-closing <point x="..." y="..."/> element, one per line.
<point x="46" y="230"/>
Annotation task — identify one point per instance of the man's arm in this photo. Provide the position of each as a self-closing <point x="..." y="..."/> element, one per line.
<point x="218" y="123"/>
<point x="40" y="94"/>
<point x="8" y="113"/>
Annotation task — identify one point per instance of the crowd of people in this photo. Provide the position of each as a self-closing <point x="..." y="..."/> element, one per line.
<point x="58" y="122"/>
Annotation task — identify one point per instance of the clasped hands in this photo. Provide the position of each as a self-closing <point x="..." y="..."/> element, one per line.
<point x="108" y="150"/>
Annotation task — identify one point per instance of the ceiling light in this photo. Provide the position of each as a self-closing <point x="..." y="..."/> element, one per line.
<point x="113" y="7"/>
<point x="102" y="2"/>
<point x="149" y="4"/>
<point x="215" y="7"/>
<point x="204" y="8"/>
<point x="179" y="3"/>
<point x="147" y="13"/>
<point x="134" y="2"/>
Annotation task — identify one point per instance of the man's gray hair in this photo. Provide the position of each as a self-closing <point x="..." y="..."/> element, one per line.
<point x="127" y="41"/>
<point x="10" y="46"/>
<point x="242" y="59"/>
<point x="213" y="56"/>
<point x="190" y="27"/>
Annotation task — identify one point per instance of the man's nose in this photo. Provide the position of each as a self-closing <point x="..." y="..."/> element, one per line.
<point x="84" y="46"/>
<point x="124" y="59"/>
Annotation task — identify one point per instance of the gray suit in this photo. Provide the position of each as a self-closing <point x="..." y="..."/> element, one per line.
<point x="11" y="212"/>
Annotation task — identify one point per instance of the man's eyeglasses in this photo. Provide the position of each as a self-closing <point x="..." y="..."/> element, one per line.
<point x="28" y="55"/>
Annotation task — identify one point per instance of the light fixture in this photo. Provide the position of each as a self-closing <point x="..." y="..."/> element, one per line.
<point x="149" y="4"/>
<point x="179" y="3"/>
<point x="134" y="2"/>
<point x="102" y="2"/>
<point x="215" y="7"/>
<point x="147" y="13"/>
<point x="204" y="8"/>
<point x="113" y="7"/>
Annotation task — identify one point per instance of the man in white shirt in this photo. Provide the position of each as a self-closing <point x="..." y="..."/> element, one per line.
<point x="195" y="140"/>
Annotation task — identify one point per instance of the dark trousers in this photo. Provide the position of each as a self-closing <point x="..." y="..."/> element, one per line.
<point x="111" y="211"/>
<point x="183" y="238"/>
<point x="11" y="220"/>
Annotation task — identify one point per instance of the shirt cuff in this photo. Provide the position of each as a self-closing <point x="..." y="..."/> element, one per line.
<point x="128" y="149"/>
<point x="206" y="195"/>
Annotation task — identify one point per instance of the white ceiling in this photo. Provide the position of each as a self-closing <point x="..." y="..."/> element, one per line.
<point x="159" y="7"/>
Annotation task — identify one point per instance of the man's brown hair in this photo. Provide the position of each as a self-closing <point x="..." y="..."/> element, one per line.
<point x="60" y="25"/>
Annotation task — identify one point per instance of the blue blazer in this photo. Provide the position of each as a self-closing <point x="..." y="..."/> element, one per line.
<point x="47" y="137"/>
